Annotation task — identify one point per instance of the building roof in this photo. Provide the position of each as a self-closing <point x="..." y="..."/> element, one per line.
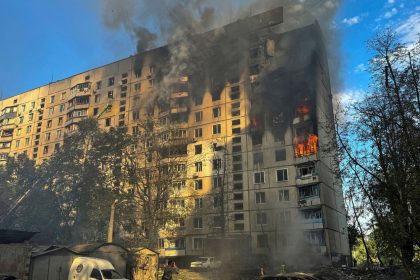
<point x="15" y="236"/>
<point x="90" y="247"/>
<point x="54" y="250"/>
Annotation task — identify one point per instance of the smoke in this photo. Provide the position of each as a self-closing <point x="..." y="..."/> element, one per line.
<point x="156" y="23"/>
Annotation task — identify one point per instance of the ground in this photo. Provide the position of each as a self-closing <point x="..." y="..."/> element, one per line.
<point x="186" y="274"/>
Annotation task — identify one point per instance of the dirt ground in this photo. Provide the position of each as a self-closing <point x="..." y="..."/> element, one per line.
<point x="325" y="273"/>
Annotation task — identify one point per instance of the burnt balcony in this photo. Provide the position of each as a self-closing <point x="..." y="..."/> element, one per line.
<point x="81" y="89"/>
<point x="307" y="174"/>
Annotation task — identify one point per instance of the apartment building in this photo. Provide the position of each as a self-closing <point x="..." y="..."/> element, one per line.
<point x="255" y="103"/>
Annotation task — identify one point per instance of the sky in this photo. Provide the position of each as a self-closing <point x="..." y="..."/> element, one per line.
<point x="48" y="40"/>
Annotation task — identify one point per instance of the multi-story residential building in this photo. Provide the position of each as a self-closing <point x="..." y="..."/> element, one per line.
<point x="255" y="100"/>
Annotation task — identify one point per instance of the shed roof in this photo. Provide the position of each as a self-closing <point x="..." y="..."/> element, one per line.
<point x="54" y="250"/>
<point x="90" y="247"/>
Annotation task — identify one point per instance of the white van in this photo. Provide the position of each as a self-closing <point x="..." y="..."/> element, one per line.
<point x="84" y="268"/>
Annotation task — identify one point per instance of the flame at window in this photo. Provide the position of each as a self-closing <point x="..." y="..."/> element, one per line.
<point x="305" y="146"/>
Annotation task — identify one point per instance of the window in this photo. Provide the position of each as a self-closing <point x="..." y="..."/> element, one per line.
<point x="237" y="186"/>
<point x="179" y="203"/>
<point x="236" y="149"/>
<point x="110" y="94"/>
<point x="236" y="140"/>
<point x="27" y="141"/>
<point x="198" y="166"/>
<point x="238" y="227"/>
<point x="217" y="112"/>
<point x="49" y="123"/>
<point x="111" y="81"/>
<point x="236" y="122"/>
<point x="198" y="185"/>
<point x="234" y="92"/>
<point x="217" y="163"/>
<point x="237" y="166"/>
<point x="32" y="105"/>
<point x="236" y="130"/>
<point x="95" y="111"/>
<point x="258" y="158"/>
<point x="306" y="171"/>
<point x="60" y="121"/>
<point x="260" y="197"/>
<point x="198" y="149"/>
<point x="58" y="134"/>
<point x="61" y="108"/>
<point x="237" y="177"/>
<point x="31" y="116"/>
<point x="217" y="182"/>
<point x="259" y="177"/>
<point x="284" y="195"/>
<point x="17" y="143"/>
<point x="261" y="218"/>
<point x="236" y="158"/>
<point x="52" y="98"/>
<point x="217" y="201"/>
<point x="238" y="206"/>
<point x="281" y="155"/>
<point x="198" y="132"/>
<point x="198" y="203"/>
<point x="238" y="196"/>
<point x="97" y="98"/>
<point x="262" y="241"/>
<point x="98" y="85"/>
<point x="19" y="132"/>
<point x="198" y="223"/>
<point x="198" y="243"/>
<point x="51" y="111"/>
<point x="238" y="217"/>
<point x="108" y="122"/>
<point x="180" y="243"/>
<point x="46" y="150"/>
<point x="198" y="116"/>
<point x="21" y="119"/>
<point x="179" y="185"/>
<point x="96" y="274"/>
<point x="137" y="86"/>
<point x="309" y="191"/>
<point x="281" y="175"/>
<point x="236" y="113"/>
<point x="23" y="108"/>
<point x="48" y="136"/>
<point x="217" y="129"/>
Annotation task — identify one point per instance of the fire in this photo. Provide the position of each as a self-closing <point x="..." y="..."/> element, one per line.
<point x="308" y="148"/>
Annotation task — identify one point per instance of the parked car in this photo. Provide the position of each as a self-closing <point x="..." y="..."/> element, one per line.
<point x="206" y="263"/>
<point x="84" y="268"/>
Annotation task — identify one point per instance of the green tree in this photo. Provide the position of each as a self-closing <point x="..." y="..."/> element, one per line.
<point x="384" y="165"/>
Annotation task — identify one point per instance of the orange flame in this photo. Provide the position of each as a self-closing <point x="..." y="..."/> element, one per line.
<point x="308" y="148"/>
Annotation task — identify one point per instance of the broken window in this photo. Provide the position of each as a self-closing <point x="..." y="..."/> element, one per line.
<point x="198" y="149"/>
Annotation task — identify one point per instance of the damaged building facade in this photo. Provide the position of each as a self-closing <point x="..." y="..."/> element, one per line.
<point x="255" y="104"/>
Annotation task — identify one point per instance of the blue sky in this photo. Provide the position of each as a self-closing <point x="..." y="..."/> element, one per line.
<point x="46" y="40"/>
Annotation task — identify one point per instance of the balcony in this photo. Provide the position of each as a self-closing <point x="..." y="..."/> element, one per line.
<point x="307" y="180"/>
<point x="311" y="201"/>
<point x="10" y="115"/>
<point x="181" y="94"/>
<point x="313" y="224"/>
<point x="81" y="89"/>
<point x="75" y="120"/>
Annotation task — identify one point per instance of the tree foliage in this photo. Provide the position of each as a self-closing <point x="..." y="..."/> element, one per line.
<point x="380" y="142"/>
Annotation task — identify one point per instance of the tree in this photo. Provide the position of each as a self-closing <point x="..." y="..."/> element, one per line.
<point x="156" y="168"/>
<point x="380" y="143"/>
